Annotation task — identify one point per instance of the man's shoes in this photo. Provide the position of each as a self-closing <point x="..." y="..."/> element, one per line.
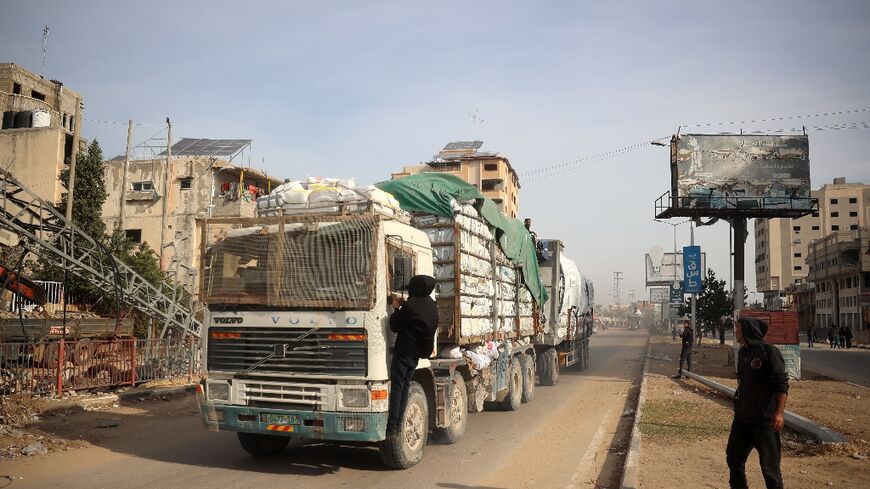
<point x="676" y="376"/>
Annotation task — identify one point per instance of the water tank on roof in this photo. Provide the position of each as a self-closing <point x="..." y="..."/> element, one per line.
<point x="41" y="118"/>
<point x="8" y="119"/>
<point x="23" y="119"/>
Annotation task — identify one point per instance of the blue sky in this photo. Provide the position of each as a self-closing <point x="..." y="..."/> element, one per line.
<point x="362" y="88"/>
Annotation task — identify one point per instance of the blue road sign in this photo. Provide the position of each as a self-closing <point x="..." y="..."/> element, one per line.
<point x="692" y="272"/>
<point x="676" y="294"/>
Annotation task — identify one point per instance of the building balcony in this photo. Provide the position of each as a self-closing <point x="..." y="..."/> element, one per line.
<point x="240" y="207"/>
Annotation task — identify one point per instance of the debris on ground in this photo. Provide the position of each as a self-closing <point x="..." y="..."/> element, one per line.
<point x="36" y="448"/>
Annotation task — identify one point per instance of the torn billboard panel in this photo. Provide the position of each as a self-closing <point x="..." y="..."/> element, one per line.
<point x="666" y="268"/>
<point x="731" y="171"/>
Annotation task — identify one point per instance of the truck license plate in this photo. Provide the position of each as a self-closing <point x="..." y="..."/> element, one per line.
<point x="278" y="418"/>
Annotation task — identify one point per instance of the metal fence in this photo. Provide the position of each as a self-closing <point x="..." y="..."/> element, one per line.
<point x="59" y="366"/>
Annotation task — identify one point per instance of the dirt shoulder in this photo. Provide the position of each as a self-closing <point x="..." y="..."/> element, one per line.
<point x="684" y="427"/>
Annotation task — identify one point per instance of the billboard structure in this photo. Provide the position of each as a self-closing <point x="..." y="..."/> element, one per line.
<point x="658" y="295"/>
<point x="667" y="268"/>
<point x="731" y="175"/>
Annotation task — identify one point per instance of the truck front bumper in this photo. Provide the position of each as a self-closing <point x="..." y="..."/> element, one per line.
<point x="363" y="427"/>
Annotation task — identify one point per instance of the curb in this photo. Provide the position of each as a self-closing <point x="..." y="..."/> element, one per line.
<point x="631" y="471"/>
<point x="792" y="420"/>
<point x="108" y="400"/>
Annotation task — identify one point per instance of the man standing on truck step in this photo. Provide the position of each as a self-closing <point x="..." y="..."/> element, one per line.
<point x="759" y="404"/>
<point x="686" y="352"/>
<point x="414" y="321"/>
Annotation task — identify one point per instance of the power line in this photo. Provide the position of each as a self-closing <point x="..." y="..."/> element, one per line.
<point x="116" y="123"/>
<point x="781" y="118"/>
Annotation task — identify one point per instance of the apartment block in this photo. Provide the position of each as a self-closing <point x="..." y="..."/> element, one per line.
<point x="490" y="172"/>
<point x="782" y="245"/>
<point x="41" y="129"/>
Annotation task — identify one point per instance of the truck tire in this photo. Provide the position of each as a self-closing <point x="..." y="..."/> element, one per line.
<point x="458" y="414"/>
<point x="514" y="396"/>
<point x="549" y="368"/>
<point x="84" y="351"/>
<point x="585" y="353"/>
<point x="528" y="364"/>
<point x="404" y="448"/>
<point x="260" y="445"/>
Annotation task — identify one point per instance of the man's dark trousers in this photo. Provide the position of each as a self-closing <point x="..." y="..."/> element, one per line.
<point x="744" y="437"/>
<point x="401" y="373"/>
<point x="686" y="356"/>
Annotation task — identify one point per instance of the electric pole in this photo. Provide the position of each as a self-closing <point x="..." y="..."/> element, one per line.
<point x="124" y="175"/>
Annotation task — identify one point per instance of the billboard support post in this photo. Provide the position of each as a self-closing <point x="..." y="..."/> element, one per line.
<point x="739" y="225"/>
<point x="694" y="295"/>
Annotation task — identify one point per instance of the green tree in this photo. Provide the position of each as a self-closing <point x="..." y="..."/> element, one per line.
<point x="712" y="303"/>
<point x="89" y="193"/>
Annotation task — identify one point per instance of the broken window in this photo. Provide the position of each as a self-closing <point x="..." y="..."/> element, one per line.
<point x="37" y="95"/>
<point x="186" y="183"/>
<point x="134" y="235"/>
<point x="490" y="166"/>
<point x="145" y="186"/>
<point x="16" y="88"/>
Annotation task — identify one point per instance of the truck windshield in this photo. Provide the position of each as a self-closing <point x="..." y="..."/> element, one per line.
<point x="322" y="265"/>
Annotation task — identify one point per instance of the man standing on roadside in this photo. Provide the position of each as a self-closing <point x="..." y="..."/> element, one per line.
<point x="686" y="352"/>
<point x="811" y="336"/>
<point x="759" y="406"/>
<point x="415" y="322"/>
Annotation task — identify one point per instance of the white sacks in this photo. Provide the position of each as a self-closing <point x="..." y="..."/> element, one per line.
<point x="319" y="195"/>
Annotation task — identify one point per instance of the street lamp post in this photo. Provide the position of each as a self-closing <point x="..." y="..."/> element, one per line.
<point x="674" y="262"/>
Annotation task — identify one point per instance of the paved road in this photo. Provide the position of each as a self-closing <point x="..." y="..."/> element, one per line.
<point x="852" y="365"/>
<point x="571" y="435"/>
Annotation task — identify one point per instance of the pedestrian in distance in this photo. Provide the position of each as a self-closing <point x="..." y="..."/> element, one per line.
<point x="759" y="406"/>
<point x="414" y="321"/>
<point x="811" y="336"/>
<point x="841" y="337"/>
<point x="831" y="337"/>
<point x="848" y="336"/>
<point x="686" y="352"/>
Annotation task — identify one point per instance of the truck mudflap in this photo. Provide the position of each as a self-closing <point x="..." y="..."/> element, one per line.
<point x="330" y="426"/>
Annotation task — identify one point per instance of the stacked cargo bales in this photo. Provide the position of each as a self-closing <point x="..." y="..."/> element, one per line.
<point x="481" y="296"/>
<point x="326" y="196"/>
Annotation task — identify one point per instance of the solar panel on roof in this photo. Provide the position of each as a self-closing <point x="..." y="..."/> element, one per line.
<point x="208" y="147"/>
<point x="463" y="145"/>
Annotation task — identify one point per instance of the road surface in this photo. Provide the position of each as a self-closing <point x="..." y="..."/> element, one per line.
<point x="852" y="365"/>
<point x="570" y="436"/>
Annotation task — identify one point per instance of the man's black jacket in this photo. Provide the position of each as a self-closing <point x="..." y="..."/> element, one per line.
<point x="416" y="321"/>
<point x="760" y="375"/>
<point x="688" y="337"/>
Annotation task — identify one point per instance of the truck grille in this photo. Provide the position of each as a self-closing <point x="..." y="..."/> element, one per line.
<point x="326" y="351"/>
<point x="285" y="396"/>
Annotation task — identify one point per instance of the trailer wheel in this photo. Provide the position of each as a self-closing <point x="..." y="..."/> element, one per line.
<point x="260" y="445"/>
<point x="549" y="368"/>
<point x="84" y="351"/>
<point x="514" y="396"/>
<point x="528" y="364"/>
<point x="404" y="448"/>
<point x="458" y="413"/>
<point x="585" y="353"/>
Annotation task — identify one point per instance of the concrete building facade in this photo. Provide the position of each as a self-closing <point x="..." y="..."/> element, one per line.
<point x="198" y="187"/>
<point x="491" y="173"/>
<point x="782" y="245"/>
<point x="839" y="266"/>
<point x="41" y="129"/>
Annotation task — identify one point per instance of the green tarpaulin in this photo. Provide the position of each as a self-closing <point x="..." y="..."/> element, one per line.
<point x="433" y="193"/>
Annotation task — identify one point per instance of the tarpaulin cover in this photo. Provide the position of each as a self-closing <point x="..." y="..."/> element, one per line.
<point x="436" y="192"/>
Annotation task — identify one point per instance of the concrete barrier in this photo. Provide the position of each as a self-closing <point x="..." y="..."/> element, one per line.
<point x="792" y="420"/>
<point x="631" y="472"/>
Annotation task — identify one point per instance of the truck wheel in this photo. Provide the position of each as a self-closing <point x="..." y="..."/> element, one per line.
<point x="515" y="387"/>
<point x="260" y="445"/>
<point x="458" y="413"/>
<point x="586" y="354"/>
<point x="528" y="365"/>
<point x="550" y="368"/>
<point x="84" y="351"/>
<point x="404" y="448"/>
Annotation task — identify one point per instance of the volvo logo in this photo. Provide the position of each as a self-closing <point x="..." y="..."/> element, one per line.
<point x="229" y="320"/>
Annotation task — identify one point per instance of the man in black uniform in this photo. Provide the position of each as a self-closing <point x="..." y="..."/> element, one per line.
<point x="415" y="322"/>
<point x="686" y="353"/>
<point x="759" y="404"/>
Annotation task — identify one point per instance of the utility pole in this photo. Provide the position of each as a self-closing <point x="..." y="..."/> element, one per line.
<point x="739" y="225"/>
<point x="124" y="174"/>
<point x="617" y="295"/>
<point x="165" y="189"/>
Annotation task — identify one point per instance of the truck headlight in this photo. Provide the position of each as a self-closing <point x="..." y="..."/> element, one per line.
<point x="355" y="398"/>
<point x="218" y="390"/>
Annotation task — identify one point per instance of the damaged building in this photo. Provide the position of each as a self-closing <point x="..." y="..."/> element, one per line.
<point x="202" y="182"/>
<point x="41" y="128"/>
